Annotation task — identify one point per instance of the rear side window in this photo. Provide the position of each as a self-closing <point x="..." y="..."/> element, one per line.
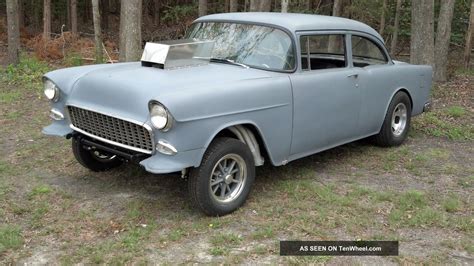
<point x="365" y="52"/>
<point x="323" y="51"/>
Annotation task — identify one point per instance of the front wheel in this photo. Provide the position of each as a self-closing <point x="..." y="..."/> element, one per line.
<point x="95" y="160"/>
<point x="397" y="122"/>
<point x="222" y="183"/>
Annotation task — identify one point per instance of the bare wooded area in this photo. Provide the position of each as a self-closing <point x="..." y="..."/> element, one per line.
<point x="425" y="29"/>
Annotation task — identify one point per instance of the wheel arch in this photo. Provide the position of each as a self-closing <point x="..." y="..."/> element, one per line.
<point x="401" y="89"/>
<point x="228" y="130"/>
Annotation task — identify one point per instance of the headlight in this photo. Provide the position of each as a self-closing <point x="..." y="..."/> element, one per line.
<point x="50" y="90"/>
<point x="159" y="116"/>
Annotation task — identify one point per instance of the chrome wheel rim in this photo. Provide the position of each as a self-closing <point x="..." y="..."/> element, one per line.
<point x="228" y="178"/>
<point x="399" y="119"/>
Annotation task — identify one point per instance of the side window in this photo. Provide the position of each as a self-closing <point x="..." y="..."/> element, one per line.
<point x="365" y="52"/>
<point x="323" y="51"/>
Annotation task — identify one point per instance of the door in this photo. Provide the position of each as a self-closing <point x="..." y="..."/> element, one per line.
<point x="326" y="95"/>
<point x="376" y="81"/>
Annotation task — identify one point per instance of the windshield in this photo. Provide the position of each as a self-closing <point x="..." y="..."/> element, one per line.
<point x="252" y="45"/>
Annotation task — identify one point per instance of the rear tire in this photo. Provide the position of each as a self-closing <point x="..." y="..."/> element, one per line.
<point x="94" y="160"/>
<point x="396" y="123"/>
<point x="222" y="183"/>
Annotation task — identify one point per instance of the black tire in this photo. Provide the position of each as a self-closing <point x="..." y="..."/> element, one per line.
<point x="87" y="158"/>
<point x="199" y="181"/>
<point x="388" y="136"/>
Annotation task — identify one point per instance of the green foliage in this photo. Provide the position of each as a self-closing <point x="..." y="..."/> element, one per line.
<point x="27" y="73"/>
<point x="74" y="60"/>
<point x="175" y="14"/>
<point x="10" y="237"/>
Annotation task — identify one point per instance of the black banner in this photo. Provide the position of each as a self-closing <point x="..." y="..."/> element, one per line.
<point x="339" y="248"/>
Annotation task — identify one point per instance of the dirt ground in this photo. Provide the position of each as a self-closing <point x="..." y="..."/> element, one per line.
<point x="52" y="210"/>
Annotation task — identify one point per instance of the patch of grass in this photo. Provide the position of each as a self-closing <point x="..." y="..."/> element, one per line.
<point x="224" y="239"/>
<point x="307" y="260"/>
<point x="266" y="232"/>
<point x="468" y="245"/>
<point x="412" y="209"/>
<point x="222" y="242"/>
<point x="456" y="111"/>
<point x="40" y="190"/>
<point x="131" y="239"/>
<point x="176" y="234"/>
<point x="4" y="189"/>
<point x="411" y="200"/>
<point x="440" y="123"/>
<point x="218" y="251"/>
<point x="9" y="96"/>
<point x="452" y="203"/>
<point x="10" y="237"/>
<point x="13" y="115"/>
<point x="466" y="182"/>
<point x="260" y="250"/>
<point x="38" y="213"/>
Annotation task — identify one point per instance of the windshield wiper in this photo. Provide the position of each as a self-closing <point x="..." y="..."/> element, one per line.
<point x="228" y="61"/>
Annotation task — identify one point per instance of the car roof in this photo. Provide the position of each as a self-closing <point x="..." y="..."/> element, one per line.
<point x="295" y="22"/>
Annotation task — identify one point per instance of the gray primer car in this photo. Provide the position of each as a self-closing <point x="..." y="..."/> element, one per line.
<point x="278" y="87"/>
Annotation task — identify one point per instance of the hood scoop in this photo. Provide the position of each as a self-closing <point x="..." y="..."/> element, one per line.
<point x="177" y="54"/>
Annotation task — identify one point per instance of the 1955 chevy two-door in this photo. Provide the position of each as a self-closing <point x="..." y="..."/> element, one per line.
<point x="240" y="89"/>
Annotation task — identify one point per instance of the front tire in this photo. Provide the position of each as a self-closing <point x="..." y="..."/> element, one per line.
<point x="222" y="183"/>
<point x="396" y="123"/>
<point x="94" y="160"/>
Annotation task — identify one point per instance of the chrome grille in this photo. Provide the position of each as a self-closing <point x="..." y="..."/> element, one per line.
<point x="133" y="136"/>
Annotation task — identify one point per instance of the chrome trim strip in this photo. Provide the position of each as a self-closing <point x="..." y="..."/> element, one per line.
<point x="109" y="141"/>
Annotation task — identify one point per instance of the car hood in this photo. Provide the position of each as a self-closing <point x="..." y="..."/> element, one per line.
<point x="124" y="90"/>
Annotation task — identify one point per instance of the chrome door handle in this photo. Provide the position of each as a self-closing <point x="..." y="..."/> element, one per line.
<point x="355" y="75"/>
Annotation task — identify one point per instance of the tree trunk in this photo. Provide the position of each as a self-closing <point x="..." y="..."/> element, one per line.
<point x="469" y="34"/>
<point x="265" y="5"/>
<point x="234" y="6"/>
<point x="443" y="36"/>
<point x="97" y="31"/>
<point x="422" y="32"/>
<point x="74" y="17"/>
<point x="104" y="7"/>
<point x="46" y="19"/>
<point x="396" y="27"/>
<point x="337" y="8"/>
<point x="254" y="6"/>
<point x="130" y="30"/>
<point x="21" y="17"/>
<point x="202" y="8"/>
<point x="382" y="17"/>
<point x="13" y="32"/>
<point x="284" y="6"/>
<point x="156" y="12"/>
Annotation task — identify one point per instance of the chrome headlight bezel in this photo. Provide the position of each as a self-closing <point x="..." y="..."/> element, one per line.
<point x="51" y="91"/>
<point x="160" y="117"/>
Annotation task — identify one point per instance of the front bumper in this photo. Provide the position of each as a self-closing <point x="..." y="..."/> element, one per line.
<point x="156" y="163"/>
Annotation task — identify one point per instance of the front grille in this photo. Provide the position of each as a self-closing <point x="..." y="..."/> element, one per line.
<point x="134" y="136"/>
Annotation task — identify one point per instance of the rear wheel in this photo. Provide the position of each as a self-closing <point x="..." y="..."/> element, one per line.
<point x="95" y="160"/>
<point x="222" y="183"/>
<point x="397" y="122"/>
